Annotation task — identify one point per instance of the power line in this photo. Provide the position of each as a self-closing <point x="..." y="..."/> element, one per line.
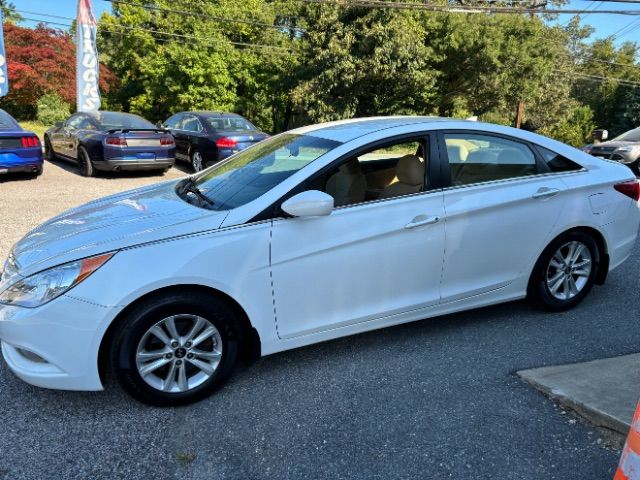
<point x="459" y="8"/>
<point x="199" y="39"/>
<point x="204" y="15"/>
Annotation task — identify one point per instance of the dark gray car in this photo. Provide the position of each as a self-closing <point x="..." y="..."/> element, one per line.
<point x="624" y="149"/>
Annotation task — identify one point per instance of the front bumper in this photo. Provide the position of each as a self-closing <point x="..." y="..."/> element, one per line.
<point x="133" y="164"/>
<point x="55" y="345"/>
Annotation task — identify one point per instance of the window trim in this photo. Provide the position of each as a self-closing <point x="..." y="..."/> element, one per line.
<point x="445" y="169"/>
<point x="432" y="171"/>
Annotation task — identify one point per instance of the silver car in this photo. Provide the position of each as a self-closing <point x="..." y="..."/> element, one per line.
<point x="624" y="149"/>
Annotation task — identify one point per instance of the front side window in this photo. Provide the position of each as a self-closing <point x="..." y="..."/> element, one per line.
<point x="394" y="170"/>
<point x="173" y="122"/>
<point x="74" y="122"/>
<point x="191" y="124"/>
<point x="252" y="172"/>
<point x="475" y="158"/>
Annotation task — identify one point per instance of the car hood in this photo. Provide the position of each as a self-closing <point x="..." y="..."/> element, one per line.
<point x="613" y="144"/>
<point x="129" y="218"/>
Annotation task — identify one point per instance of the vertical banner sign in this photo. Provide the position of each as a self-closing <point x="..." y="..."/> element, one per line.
<point x="4" y="78"/>
<point x="87" y="65"/>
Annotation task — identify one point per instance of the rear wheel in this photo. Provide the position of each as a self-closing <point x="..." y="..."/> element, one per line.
<point x="197" y="162"/>
<point x="85" y="163"/>
<point x="176" y="349"/>
<point x="48" y="150"/>
<point x="565" y="272"/>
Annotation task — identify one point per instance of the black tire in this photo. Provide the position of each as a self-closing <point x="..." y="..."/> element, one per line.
<point x="197" y="161"/>
<point x="148" y="314"/>
<point x="84" y="163"/>
<point x="635" y="166"/>
<point x="539" y="293"/>
<point x="49" y="154"/>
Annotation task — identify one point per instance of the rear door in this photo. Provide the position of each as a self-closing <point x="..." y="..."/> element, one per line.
<point x="500" y="208"/>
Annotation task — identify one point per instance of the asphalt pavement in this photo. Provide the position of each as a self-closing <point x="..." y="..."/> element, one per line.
<point x="434" y="399"/>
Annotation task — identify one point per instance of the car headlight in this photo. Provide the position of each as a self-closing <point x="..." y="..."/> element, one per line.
<point x="44" y="286"/>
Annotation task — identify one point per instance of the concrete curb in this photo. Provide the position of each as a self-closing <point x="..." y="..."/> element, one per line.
<point x="605" y="392"/>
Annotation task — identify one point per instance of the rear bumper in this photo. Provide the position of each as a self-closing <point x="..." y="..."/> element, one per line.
<point x="12" y="162"/>
<point x="133" y="164"/>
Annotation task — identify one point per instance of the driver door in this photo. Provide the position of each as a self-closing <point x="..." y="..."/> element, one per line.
<point x="376" y="258"/>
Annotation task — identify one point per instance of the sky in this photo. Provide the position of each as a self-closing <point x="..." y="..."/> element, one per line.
<point x="604" y="25"/>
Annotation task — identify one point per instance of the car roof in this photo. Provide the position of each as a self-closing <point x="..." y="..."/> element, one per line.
<point x="213" y="113"/>
<point x="347" y="130"/>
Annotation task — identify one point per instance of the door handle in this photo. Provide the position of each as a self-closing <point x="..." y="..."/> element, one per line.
<point x="421" y="220"/>
<point x="546" y="192"/>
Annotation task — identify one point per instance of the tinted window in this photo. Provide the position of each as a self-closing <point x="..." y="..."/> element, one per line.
<point x="74" y="122"/>
<point x="477" y="158"/>
<point x="252" y="172"/>
<point x="229" y="123"/>
<point x="558" y="163"/>
<point x="191" y="124"/>
<point x="115" y="120"/>
<point x="6" y="120"/>
<point x="174" y="121"/>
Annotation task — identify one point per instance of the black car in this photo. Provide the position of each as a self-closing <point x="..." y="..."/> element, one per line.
<point x="110" y="141"/>
<point x="203" y="138"/>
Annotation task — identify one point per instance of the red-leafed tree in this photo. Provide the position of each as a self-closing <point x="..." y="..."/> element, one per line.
<point x="39" y="61"/>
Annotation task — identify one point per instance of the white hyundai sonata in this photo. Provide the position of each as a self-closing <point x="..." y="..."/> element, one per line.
<point x="313" y="234"/>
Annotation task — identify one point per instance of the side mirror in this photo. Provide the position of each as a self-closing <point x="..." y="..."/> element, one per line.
<point x="599" y="135"/>
<point x="311" y="203"/>
<point x="58" y="124"/>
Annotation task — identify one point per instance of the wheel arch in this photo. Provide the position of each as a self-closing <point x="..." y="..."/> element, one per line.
<point x="251" y="345"/>
<point x="603" y="264"/>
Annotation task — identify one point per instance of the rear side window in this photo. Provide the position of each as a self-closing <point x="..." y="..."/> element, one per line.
<point x="477" y="158"/>
<point x="558" y="163"/>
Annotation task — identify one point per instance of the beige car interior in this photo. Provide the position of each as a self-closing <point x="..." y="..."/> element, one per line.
<point x="348" y="185"/>
<point x="382" y="173"/>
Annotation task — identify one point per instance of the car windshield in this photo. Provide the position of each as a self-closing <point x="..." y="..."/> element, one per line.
<point x="252" y="172"/>
<point x="229" y="123"/>
<point x="630" y="136"/>
<point x="6" y="120"/>
<point x="115" y="120"/>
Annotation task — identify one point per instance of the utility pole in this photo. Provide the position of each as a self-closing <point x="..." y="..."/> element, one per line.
<point x="519" y="114"/>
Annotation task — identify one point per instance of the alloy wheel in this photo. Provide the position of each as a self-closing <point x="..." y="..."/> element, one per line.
<point x="179" y="353"/>
<point x="196" y="161"/>
<point x="569" y="270"/>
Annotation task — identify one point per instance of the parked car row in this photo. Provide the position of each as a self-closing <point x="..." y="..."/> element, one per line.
<point x="115" y="141"/>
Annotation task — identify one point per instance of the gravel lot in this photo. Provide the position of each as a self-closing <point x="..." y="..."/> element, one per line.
<point x="433" y="399"/>
<point x="26" y="202"/>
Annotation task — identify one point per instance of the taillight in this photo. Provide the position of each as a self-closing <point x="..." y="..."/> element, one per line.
<point x="117" y="141"/>
<point x="30" y="142"/>
<point x="631" y="189"/>
<point x="166" y="141"/>
<point x="226" y="142"/>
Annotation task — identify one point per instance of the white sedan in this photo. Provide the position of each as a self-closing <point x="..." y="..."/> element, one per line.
<point x="310" y="235"/>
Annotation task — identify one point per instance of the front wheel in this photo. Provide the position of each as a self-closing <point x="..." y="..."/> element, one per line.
<point x="176" y="349"/>
<point x="565" y="272"/>
<point x="48" y="150"/>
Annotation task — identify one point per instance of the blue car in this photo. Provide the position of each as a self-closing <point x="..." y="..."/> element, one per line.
<point x="20" y="150"/>
<point x="110" y="142"/>
<point x="204" y="138"/>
